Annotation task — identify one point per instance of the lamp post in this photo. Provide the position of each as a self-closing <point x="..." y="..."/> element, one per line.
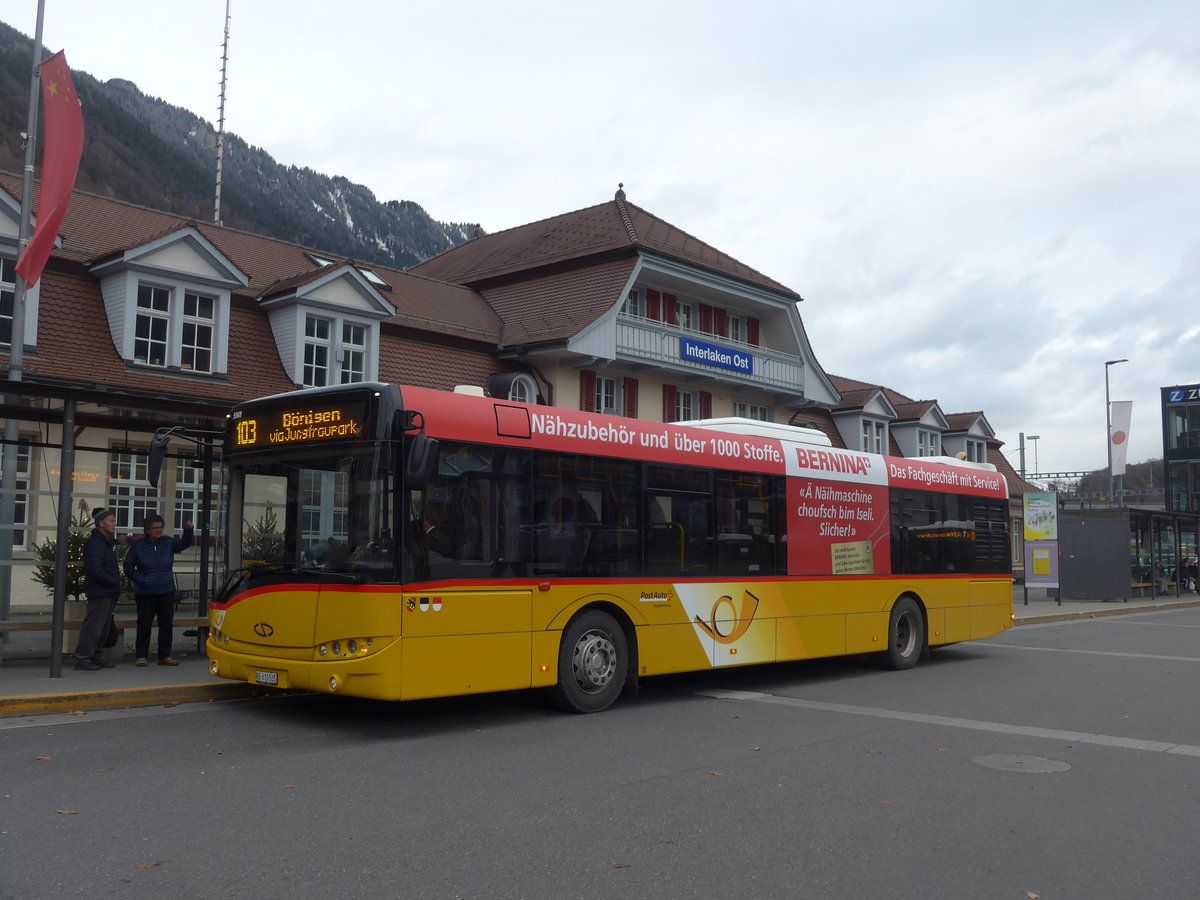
<point x="1108" y="426"/>
<point x="1035" y="438"/>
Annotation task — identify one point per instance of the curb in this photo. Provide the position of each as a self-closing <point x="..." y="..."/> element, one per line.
<point x="34" y="704"/>
<point x="1122" y="610"/>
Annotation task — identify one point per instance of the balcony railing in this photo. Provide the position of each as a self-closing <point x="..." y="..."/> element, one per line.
<point x="660" y="343"/>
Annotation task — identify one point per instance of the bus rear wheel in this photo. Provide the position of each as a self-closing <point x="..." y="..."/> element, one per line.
<point x="593" y="660"/>
<point x="906" y="634"/>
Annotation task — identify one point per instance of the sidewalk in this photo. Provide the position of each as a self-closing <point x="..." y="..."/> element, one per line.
<point x="26" y="687"/>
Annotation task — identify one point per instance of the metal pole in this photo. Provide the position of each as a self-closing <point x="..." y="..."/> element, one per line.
<point x="16" y="352"/>
<point x="66" y="465"/>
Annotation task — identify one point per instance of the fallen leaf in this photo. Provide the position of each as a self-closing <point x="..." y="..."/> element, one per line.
<point x="148" y="865"/>
<point x="171" y="704"/>
<point x="718" y="774"/>
<point x="77" y="712"/>
<point x="1031" y="895"/>
<point x="43" y="757"/>
<point x="68" y="812"/>
<point x="756" y="748"/>
<point x="886" y="802"/>
<point x="622" y="865"/>
<point x="943" y="749"/>
<point x="289" y="786"/>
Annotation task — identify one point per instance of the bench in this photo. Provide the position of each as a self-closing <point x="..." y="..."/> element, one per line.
<point x="46" y="623"/>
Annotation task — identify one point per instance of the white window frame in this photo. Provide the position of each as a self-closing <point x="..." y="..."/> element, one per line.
<point x="152" y="315"/>
<point x="685" y="315"/>
<point x="131" y="497"/>
<point x="22" y="496"/>
<point x="317" y="353"/>
<point x="199" y="323"/>
<point x="606" y="395"/>
<point x="687" y="405"/>
<point x="8" y="295"/>
<point x="735" y="328"/>
<point x="976" y="451"/>
<point x="874" y="436"/>
<point x="633" y="305"/>
<point x="927" y="443"/>
<point x="746" y="410"/>
<point x="353" y="352"/>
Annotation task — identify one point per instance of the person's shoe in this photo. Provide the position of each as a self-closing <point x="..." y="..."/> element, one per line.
<point x="167" y="661"/>
<point x="104" y="664"/>
<point x="87" y="665"/>
<point x="141" y="661"/>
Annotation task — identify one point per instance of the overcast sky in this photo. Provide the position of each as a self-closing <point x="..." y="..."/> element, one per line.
<point x="980" y="202"/>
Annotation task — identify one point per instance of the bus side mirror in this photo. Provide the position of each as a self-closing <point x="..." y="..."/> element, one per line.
<point x="421" y="463"/>
<point x="158" y="452"/>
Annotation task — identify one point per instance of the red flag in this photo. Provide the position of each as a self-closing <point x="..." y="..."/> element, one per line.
<point x="61" y="149"/>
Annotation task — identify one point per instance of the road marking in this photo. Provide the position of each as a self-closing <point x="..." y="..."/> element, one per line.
<point x="1054" y="734"/>
<point x="1095" y="652"/>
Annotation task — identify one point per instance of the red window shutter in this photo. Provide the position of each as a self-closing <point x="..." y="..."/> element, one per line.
<point x="668" y="403"/>
<point x="706" y="319"/>
<point x="720" y="322"/>
<point x="587" y="391"/>
<point x="653" y="306"/>
<point x="705" y="405"/>
<point x="631" y="389"/>
<point x="752" y="330"/>
<point x="669" y="309"/>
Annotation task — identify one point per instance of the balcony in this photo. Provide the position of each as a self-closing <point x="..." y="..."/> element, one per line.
<point x="656" y="343"/>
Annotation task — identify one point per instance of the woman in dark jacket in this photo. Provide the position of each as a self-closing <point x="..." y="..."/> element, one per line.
<point x="149" y="565"/>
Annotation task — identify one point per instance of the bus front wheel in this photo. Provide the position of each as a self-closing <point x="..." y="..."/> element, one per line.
<point x="593" y="660"/>
<point x="906" y="634"/>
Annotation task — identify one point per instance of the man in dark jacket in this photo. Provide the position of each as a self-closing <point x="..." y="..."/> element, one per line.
<point x="101" y="584"/>
<point x="149" y="565"/>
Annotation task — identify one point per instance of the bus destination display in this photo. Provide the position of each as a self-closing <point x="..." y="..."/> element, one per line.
<point x="298" y="425"/>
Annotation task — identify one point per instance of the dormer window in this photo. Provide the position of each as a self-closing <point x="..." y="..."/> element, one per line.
<point x="173" y="334"/>
<point x="874" y="436"/>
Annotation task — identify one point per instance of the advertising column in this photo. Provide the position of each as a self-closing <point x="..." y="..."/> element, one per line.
<point x="1041" y="541"/>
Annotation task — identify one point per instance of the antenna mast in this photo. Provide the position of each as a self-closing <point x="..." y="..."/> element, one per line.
<point x="221" y="118"/>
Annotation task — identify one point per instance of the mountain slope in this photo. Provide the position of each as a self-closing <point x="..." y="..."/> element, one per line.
<point x="145" y="151"/>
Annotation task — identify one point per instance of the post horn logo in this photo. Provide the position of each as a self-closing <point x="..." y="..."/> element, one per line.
<point x="263" y="629"/>
<point x="727" y="624"/>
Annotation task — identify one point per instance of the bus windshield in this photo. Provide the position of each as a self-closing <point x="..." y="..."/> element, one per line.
<point x="315" y="510"/>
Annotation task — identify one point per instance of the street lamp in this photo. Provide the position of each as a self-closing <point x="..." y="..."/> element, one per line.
<point x="1108" y="426"/>
<point x="1035" y="438"/>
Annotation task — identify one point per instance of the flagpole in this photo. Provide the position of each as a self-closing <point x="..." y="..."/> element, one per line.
<point x="16" y="354"/>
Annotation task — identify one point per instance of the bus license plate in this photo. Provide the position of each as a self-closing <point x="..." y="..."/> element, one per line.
<point x="266" y="677"/>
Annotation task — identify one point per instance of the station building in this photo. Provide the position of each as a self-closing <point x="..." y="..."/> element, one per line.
<point x="145" y="319"/>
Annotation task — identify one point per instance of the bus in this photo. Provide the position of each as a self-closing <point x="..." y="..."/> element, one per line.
<point x="401" y="543"/>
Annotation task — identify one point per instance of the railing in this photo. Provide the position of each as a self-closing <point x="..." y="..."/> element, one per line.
<point x="657" y="342"/>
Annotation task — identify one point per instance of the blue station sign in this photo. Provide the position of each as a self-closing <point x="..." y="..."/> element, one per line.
<point x="713" y="355"/>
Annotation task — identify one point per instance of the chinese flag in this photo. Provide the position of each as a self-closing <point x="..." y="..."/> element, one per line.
<point x="62" y="147"/>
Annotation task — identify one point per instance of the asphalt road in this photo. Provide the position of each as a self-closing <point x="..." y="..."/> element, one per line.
<point x="1055" y="761"/>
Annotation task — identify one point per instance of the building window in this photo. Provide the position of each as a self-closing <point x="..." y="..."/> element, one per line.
<point x="8" y="294"/>
<point x="976" y="451"/>
<point x="354" y="353"/>
<point x="316" y="352"/>
<point x="189" y="490"/>
<point x="736" y="329"/>
<point x="685" y="316"/>
<point x="20" y="533"/>
<point x="606" y="395"/>
<point x="130" y="496"/>
<point x="152" y="326"/>
<point x="633" y="305"/>
<point x="324" y="505"/>
<point x="873" y="436"/>
<point x="751" y="411"/>
<point x="199" y="315"/>
<point x="927" y="443"/>
<point x="685" y="406"/>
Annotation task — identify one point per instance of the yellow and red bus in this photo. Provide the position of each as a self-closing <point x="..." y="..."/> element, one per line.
<point x="401" y="543"/>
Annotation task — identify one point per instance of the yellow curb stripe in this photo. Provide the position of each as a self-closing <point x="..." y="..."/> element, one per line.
<point x="144" y="696"/>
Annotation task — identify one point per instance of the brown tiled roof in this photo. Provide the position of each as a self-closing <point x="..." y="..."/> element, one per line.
<point x="613" y="228"/>
<point x="556" y="307"/>
<point x="962" y="421"/>
<point x="411" y="362"/>
<point x="1016" y="485"/>
<point x="98" y="227"/>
